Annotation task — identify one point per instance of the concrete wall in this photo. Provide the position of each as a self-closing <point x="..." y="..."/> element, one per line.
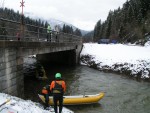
<point x="78" y="51"/>
<point x="11" y="73"/>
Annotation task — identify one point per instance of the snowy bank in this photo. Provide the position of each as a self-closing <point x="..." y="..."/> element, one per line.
<point x="128" y="59"/>
<point x="17" y="105"/>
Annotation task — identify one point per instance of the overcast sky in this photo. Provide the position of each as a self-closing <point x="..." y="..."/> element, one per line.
<point x="81" y="13"/>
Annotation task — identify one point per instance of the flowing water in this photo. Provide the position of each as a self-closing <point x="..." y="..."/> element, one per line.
<point x="122" y="95"/>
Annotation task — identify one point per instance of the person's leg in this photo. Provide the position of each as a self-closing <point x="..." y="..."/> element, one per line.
<point x="60" y="103"/>
<point x="47" y="100"/>
<point x="55" y="99"/>
<point x="47" y="37"/>
<point x="56" y="38"/>
<point x="50" y="37"/>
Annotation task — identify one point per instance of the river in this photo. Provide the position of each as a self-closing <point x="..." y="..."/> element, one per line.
<point x="122" y="94"/>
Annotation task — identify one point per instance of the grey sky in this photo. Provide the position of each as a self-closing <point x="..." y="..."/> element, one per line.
<point x="81" y="13"/>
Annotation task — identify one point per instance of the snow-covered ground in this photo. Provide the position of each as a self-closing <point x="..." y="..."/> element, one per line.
<point x="129" y="59"/>
<point x="17" y="105"/>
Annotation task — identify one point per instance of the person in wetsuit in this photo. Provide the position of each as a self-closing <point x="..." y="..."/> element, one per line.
<point x="46" y="93"/>
<point x="58" y="87"/>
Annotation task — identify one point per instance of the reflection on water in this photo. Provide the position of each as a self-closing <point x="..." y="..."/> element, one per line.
<point x="122" y="95"/>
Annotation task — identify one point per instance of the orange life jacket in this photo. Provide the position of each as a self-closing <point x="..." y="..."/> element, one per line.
<point x="44" y="91"/>
<point x="58" y="86"/>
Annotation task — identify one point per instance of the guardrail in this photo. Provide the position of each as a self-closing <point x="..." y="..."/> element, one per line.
<point x="13" y="31"/>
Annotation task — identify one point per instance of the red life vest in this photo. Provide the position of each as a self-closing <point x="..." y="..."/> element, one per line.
<point x="44" y="91"/>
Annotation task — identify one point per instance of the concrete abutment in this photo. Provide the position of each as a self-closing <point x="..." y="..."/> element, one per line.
<point x="11" y="68"/>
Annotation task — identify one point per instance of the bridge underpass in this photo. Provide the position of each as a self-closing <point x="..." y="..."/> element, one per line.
<point x="63" y="57"/>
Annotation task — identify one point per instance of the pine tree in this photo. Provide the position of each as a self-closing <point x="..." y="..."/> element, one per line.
<point x="64" y="28"/>
<point x="131" y="21"/>
<point x="77" y="32"/>
<point x="97" y="30"/>
<point x="109" y="24"/>
<point x="95" y="33"/>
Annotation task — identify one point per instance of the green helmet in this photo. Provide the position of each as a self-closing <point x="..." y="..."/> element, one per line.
<point x="58" y="75"/>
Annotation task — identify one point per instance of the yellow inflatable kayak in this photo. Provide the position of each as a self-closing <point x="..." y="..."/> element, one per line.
<point x="76" y="100"/>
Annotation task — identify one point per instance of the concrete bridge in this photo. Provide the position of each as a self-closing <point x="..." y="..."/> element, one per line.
<point x="64" y="48"/>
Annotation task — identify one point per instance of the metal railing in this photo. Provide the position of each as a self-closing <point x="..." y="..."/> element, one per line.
<point x="11" y="31"/>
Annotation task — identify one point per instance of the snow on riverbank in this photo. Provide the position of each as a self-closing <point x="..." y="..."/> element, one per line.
<point x="131" y="59"/>
<point x="17" y="105"/>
